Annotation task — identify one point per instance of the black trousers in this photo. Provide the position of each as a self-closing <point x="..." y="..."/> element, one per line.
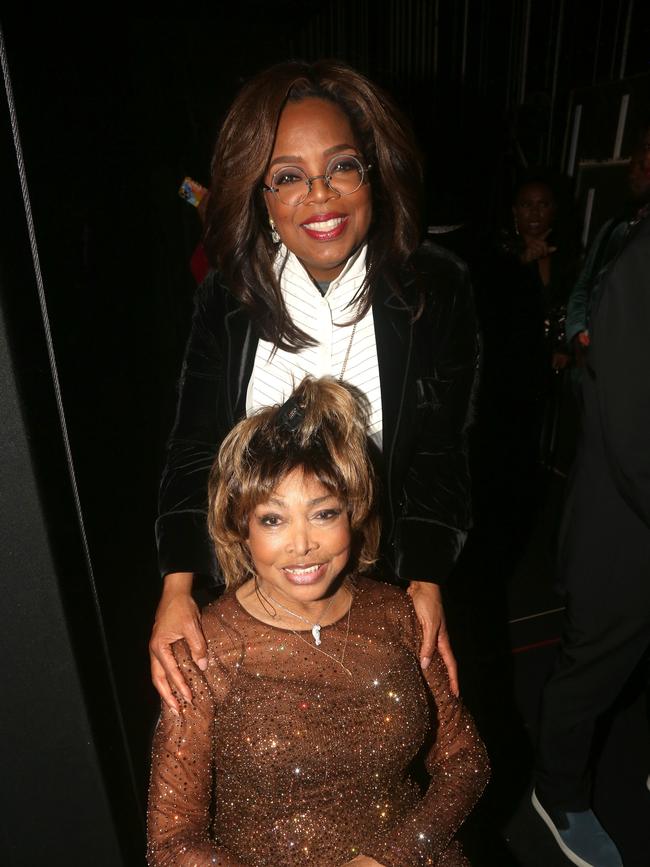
<point x="605" y="571"/>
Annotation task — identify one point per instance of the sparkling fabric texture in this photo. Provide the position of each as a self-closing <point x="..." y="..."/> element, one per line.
<point x="285" y="758"/>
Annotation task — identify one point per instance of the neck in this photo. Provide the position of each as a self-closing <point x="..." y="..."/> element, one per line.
<point x="311" y="610"/>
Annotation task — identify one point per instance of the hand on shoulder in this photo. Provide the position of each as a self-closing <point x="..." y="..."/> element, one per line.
<point x="427" y="601"/>
<point x="177" y="617"/>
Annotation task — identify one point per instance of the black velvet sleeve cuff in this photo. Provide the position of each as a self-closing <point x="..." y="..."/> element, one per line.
<point x="427" y="550"/>
<point x="184" y="544"/>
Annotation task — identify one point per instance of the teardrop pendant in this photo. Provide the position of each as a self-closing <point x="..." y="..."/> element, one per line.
<point x="315" y="631"/>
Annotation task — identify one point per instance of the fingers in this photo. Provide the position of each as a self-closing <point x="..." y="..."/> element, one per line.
<point x="172" y="673"/>
<point x="447" y="654"/>
<point x="197" y="645"/>
<point x="170" y="676"/>
<point x="177" y="617"/>
<point x="537" y="249"/>
<point x="429" y="637"/>
<point x="159" y="680"/>
<point x="427" y="603"/>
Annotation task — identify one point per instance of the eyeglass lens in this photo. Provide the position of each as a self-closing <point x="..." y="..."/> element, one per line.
<point x="344" y="175"/>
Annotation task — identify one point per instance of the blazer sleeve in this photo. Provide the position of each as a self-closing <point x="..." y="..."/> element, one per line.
<point x="620" y="356"/>
<point x="435" y="512"/>
<point x="181" y="529"/>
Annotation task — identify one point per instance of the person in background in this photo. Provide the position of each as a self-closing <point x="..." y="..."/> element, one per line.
<point x="604" y="551"/>
<point x="605" y="246"/>
<point x="522" y="284"/>
<point x="312" y="226"/>
<point x="313" y="713"/>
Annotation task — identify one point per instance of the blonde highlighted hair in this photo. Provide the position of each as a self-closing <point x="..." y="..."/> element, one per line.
<point x="322" y="430"/>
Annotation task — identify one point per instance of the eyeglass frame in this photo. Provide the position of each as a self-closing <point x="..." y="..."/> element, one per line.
<point x="309" y="181"/>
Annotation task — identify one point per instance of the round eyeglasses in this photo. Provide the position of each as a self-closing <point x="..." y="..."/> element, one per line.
<point x="344" y="174"/>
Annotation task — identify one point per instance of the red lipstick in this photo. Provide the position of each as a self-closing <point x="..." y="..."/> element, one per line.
<point x="325" y="227"/>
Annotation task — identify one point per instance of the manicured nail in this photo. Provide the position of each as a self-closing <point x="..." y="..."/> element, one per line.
<point x="202" y="663"/>
<point x="174" y="711"/>
<point x="425" y="661"/>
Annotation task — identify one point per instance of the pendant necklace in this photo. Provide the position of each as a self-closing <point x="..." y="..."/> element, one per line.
<point x="347" y="354"/>
<point x="315" y="627"/>
<point x="330" y="655"/>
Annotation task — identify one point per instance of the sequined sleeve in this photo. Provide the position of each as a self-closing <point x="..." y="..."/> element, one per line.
<point x="181" y="780"/>
<point x="458" y="766"/>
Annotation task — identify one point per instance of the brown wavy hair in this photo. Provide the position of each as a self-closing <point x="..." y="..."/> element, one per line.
<point x="237" y="236"/>
<point x="326" y="438"/>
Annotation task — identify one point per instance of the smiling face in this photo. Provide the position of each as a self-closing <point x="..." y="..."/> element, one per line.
<point x="299" y="541"/>
<point x="326" y="228"/>
<point x="534" y="210"/>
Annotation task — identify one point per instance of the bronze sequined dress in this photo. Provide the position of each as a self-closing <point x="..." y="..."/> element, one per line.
<point x="287" y="757"/>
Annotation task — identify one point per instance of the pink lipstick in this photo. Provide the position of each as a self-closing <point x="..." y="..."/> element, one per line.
<point x="303" y="575"/>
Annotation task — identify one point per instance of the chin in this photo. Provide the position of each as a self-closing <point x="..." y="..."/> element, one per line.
<point x="327" y="268"/>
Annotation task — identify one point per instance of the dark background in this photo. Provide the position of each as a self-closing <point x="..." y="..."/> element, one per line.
<point x="112" y="114"/>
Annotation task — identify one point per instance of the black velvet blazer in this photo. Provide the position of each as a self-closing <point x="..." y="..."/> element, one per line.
<point x="427" y="369"/>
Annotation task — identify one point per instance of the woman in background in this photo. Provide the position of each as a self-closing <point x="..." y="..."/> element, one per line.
<point x="522" y="289"/>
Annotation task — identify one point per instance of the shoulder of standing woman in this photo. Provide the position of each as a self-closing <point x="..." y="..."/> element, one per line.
<point x="437" y="269"/>
<point x="431" y="255"/>
<point x="441" y="279"/>
<point x="214" y="292"/>
<point x="214" y="303"/>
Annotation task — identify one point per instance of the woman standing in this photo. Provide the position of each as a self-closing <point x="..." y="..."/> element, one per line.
<point x="313" y="228"/>
<point x="522" y="288"/>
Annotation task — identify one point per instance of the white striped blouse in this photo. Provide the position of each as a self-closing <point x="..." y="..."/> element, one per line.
<point x="326" y="318"/>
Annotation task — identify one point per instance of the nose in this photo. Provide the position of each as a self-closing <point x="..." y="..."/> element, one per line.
<point x="320" y="190"/>
<point x="302" y="540"/>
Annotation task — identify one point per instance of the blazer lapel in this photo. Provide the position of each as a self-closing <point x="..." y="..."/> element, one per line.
<point x="393" y="334"/>
<point x="240" y="357"/>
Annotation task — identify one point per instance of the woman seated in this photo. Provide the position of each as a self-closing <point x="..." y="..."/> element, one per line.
<point x="307" y="729"/>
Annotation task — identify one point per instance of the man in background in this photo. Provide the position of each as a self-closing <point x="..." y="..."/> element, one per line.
<point x="605" y="540"/>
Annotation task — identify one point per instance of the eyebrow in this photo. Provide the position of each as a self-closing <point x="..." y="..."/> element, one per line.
<point x="322" y="499"/>
<point x="279" y="502"/>
<point x="292" y="158"/>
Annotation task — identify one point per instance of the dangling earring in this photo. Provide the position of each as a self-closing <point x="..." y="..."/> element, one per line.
<point x="274" y="232"/>
<point x="516" y="222"/>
